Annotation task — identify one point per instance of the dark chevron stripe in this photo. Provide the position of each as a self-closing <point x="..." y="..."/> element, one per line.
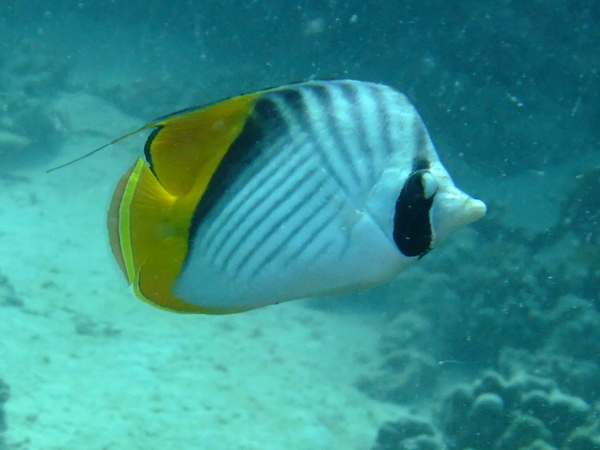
<point x="309" y="240"/>
<point x="252" y="228"/>
<point x="275" y="178"/>
<point x="325" y="104"/>
<point x="250" y="201"/>
<point x="384" y="119"/>
<point x="285" y="240"/>
<point x="281" y="197"/>
<point x="238" y="158"/>
<point x="295" y="106"/>
<point x="322" y="249"/>
<point x="293" y="210"/>
<point x="352" y="95"/>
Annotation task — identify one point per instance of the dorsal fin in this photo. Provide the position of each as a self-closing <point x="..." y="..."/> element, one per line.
<point x="190" y="144"/>
<point x="198" y="134"/>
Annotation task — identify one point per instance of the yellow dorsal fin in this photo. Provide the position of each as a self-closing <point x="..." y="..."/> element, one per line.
<point x="192" y="143"/>
<point x="187" y="139"/>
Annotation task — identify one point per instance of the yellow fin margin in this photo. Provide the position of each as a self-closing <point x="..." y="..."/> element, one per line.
<point x="149" y="243"/>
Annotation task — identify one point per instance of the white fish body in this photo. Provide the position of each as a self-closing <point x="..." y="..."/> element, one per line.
<point x="327" y="187"/>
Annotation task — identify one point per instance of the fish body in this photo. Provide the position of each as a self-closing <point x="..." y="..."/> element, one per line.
<point x="304" y="190"/>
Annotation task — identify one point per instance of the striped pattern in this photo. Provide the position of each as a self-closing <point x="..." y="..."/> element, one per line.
<point x="316" y="151"/>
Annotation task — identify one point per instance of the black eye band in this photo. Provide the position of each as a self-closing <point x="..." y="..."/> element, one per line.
<point x="412" y="225"/>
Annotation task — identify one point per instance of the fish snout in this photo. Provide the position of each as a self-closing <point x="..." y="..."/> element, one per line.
<point x="452" y="210"/>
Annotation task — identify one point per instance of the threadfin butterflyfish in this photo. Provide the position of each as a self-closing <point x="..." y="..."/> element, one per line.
<point x="305" y="190"/>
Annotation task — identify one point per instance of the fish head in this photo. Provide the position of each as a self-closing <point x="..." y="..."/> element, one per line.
<point x="429" y="209"/>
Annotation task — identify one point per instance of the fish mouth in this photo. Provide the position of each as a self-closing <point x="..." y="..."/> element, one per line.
<point x="452" y="210"/>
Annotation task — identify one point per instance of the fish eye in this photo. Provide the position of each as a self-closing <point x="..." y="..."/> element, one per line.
<point x="413" y="233"/>
<point x="430" y="184"/>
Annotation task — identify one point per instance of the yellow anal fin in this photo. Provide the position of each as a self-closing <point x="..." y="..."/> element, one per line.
<point x="190" y="144"/>
<point x="149" y="237"/>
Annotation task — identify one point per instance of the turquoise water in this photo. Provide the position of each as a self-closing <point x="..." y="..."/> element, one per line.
<point x="489" y="342"/>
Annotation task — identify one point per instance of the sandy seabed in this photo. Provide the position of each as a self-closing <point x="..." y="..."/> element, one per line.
<point x="91" y="367"/>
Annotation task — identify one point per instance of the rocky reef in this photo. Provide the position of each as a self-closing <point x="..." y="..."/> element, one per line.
<point x="409" y="433"/>
<point x="524" y="412"/>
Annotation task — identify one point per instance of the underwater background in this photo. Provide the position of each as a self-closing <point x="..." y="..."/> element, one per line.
<point x="490" y="342"/>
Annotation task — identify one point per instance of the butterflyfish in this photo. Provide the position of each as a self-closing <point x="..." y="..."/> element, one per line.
<point x="304" y="190"/>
